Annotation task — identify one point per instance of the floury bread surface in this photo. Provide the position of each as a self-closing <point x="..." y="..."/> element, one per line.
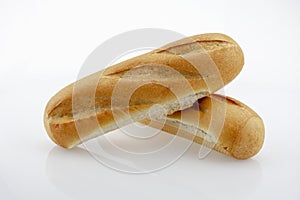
<point x="157" y="83"/>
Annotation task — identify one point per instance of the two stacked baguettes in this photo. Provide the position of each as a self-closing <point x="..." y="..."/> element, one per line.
<point x="164" y="83"/>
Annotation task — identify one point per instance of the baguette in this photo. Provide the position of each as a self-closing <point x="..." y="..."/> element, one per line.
<point x="158" y="83"/>
<point x="242" y="134"/>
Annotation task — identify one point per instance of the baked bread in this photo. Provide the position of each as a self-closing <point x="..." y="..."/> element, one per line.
<point x="241" y="135"/>
<point x="157" y="83"/>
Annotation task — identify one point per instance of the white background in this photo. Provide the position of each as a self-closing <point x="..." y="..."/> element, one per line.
<point x="44" y="43"/>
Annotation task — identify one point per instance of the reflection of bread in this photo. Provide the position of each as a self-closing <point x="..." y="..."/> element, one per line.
<point x="242" y="133"/>
<point x="165" y="77"/>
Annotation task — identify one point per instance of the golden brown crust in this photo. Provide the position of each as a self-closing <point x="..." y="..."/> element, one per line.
<point x="96" y="92"/>
<point x="242" y="135"/>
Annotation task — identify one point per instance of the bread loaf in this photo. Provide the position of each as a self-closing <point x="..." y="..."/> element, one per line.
<point x="159" y="82"/>
<point x="242" y="133"/>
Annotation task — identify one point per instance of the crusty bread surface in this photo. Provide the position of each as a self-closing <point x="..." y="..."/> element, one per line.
<point x="241" y="135"/>
<point x="173" y="77"/>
